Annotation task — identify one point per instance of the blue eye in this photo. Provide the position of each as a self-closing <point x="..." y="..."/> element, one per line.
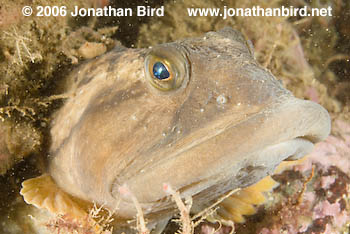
<point x="160" y="71"/>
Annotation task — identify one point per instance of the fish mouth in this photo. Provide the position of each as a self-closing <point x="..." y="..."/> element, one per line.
<point x="283" y="132"/>
<point x="300" y="125"/>
<point x="289" y="150"/>
<point x="253" y="148"/>
<point x="238" y="154"/>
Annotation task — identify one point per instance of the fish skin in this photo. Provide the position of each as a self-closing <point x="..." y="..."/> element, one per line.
<point x="117" y="130"/>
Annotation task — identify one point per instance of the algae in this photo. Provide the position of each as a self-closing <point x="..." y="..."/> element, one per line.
<point x="36" y="52"/>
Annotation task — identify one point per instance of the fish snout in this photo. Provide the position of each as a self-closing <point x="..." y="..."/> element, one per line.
<point x="299" y="124"/>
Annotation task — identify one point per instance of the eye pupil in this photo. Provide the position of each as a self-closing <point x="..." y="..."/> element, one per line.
<point x="160" y="71"/>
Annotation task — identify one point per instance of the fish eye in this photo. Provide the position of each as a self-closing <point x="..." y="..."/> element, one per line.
<point x="160" y="71"/>
<point x="167" y="68"/>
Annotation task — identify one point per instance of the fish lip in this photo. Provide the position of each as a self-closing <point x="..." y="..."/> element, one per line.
<point x="312" y="125"/>
<point x="293" y="149"/>
<point x="300" y="154"/>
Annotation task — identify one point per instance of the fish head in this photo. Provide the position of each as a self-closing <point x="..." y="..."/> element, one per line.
<point x="200" y="115"/>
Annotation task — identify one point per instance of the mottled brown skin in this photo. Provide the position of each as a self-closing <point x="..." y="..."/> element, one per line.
<point x="118" y="130"/>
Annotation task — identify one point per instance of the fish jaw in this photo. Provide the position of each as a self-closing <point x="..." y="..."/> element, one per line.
<point x="206" y="170"/>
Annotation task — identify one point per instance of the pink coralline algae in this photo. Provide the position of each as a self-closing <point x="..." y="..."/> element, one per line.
<point x="334" y="151"/>
<point x="312" y="94"/>
<point x="313" y="197"/>
<point x="320" y="202"/>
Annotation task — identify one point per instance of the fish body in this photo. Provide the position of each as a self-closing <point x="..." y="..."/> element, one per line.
<point x="198" y="114"/>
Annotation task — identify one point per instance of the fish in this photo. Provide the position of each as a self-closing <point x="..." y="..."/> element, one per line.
<point x="198" y="114"/>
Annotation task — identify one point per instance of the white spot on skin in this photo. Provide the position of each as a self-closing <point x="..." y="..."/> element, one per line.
<point x="201" y="110"/>
<point x="221" y="99"/>
<point x="238" y="104"/>
<point x="133" y="117"/>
